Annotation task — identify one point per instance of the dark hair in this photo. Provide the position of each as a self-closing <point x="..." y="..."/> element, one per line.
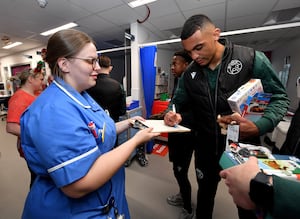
<point x="104" y="61"/>
<point x="65" y="43"/>
<point x="184" y="55"/>
<point x="193" y="24"/>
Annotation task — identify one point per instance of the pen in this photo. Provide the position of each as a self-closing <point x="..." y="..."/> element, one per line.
<point x="244" y="110"/>
<point x="103" y="131"/>
<point x="92" y="127"/>
<point x="173" y="108"/>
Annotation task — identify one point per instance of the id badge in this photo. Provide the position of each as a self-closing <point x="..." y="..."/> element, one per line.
<point x="232" y="135"/>
<point x="120" y="216"/>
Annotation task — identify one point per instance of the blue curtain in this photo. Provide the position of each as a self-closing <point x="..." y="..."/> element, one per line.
<point x="148" y="67"/>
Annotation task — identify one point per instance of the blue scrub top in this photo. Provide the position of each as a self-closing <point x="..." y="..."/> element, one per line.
<point x="60" y="148"/>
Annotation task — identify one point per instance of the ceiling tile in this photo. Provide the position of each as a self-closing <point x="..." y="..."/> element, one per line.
<point x="107" y="20"/>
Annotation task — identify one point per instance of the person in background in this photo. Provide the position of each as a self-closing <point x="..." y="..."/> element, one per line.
<point x="41" y="67"/>
<point x="44" y="54"/>
<point x="42" y="64"/>
<point x="38" y="70"/>
<point x="110" y="95"/>
<point x="252" y="189"/>
<point x="108" y="92"/>
<point x="50" y="79"/>
<point x="218" y="70"/>
<point x="180" y="61"/>
<point x="291" y="145"/>
<point x="68" y="140"/>
<point x="181" y="145"/>
<point x="30" y="82"/>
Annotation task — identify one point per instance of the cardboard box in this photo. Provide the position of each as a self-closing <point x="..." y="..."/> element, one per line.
<point x="281" y="165"/>
<point x="254" y="107"/>
<point x="238" y="99"/>
<point x="286" y="166"/>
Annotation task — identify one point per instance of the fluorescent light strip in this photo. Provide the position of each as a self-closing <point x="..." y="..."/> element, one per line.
<point x="161" y="42"/>
<point x="234" y="32"/>
<point x="138" y="3"/>
<point x="12" y="45"/>
<point x="259" y="29"/>
<point x="63" y="27"/>
<point x="113" y="49"/>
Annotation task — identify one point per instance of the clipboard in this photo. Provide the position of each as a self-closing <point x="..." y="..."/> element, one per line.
<point x="158" y="126"/>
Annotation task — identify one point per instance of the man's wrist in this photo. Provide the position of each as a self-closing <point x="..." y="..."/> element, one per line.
<point x="261" y="190"/>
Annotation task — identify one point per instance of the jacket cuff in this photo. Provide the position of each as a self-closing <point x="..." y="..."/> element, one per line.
<point x="264" y="125"/>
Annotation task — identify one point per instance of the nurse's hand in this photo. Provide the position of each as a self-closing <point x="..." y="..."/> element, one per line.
<point x="123" y="125"/>
<point x="137" y="118"/>
<point x="144" y="135"/>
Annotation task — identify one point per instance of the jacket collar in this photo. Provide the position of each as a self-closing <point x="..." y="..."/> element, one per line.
<point x="82" y="99"/>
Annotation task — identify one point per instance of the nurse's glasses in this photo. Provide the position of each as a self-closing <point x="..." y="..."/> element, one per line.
<point x="91" y="61"/>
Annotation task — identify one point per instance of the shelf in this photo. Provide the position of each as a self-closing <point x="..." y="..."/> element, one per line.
<point x="161" y="84"/>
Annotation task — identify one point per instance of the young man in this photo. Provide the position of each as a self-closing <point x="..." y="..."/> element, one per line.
<point x="181" y="145"/>
<point x="218" y="70"/>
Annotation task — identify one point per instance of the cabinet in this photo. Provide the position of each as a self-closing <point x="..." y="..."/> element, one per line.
<point x="161" y="83"/>
<point x="3" y="106"/>
<point x="126" y="135"/>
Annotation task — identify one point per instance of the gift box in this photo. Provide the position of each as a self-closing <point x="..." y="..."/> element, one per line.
<point x="237" y="100"/>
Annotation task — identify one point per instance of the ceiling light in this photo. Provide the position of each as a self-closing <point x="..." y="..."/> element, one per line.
<point x="129" y="36"/>
<point x="11" y="45"/>
<point x="63" y="27"/>
<point x="42" y="3"/>
<point x="138" y="3"/>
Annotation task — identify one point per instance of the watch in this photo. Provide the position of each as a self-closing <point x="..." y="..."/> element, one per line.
<point x="261" y="191"/>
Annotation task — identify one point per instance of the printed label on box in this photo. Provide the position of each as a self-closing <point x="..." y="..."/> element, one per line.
<point x="237" y="99"/>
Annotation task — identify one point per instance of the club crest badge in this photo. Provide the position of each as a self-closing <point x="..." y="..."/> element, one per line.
<point x="193" y="74"/>
<point x="234" y="67"/>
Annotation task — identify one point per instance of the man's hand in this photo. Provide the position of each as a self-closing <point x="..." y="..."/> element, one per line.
<point x="172" y="118"/>
<point x="247" y="128"/>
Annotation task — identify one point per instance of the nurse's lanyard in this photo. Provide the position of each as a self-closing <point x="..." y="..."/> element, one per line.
<point x="111" y="204"/>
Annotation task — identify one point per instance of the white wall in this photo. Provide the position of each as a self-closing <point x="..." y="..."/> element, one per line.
<point x="20" y="59"/>
<point x="164" y="59"/>
<point x="291" y="49"/>
<point x="142" y="35"/>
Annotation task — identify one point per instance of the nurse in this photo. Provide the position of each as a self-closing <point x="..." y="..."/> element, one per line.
<point x="68" y="140"/>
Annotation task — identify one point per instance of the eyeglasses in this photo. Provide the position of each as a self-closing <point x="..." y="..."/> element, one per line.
<point x="91" y="61"/>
